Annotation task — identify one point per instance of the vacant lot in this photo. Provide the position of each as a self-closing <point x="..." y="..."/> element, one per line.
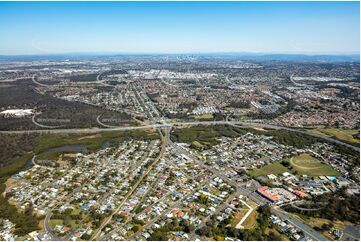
<point x="251" y="220"/>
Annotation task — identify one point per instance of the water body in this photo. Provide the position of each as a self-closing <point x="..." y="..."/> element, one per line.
<point x="105" y="144"/>
<point x="28" y="164"/>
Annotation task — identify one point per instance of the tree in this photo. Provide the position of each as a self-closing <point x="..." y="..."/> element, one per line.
<point x="204" y="231"/>
<point x="285" y="163"/>
<point x="158" y="236"/>
<point x="326" y="226"/>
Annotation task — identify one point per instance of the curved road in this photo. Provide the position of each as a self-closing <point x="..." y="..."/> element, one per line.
<point x="44" y="126"/>
<point x="38" y="83"/>
<point x="103" y="124"/>
<point x="48" y="229"/>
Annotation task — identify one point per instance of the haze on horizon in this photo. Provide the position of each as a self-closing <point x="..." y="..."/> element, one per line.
<point x="179" y="27"/>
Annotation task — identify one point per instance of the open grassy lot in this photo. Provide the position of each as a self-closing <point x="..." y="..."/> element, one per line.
<point x="48" y="156"/>
<point x="238" y="216"/>
<point x="308" y="165"/>
<point x="55" y="222"/>
<point x="273" y="168"/>
<point x="251" y="220"/>
<point x="347" y="135"/>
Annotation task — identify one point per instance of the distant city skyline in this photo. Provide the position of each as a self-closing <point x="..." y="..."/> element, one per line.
<point x="179" y="27"/>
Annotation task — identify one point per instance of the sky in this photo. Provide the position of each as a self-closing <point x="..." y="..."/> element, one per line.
<point x="179" y="27"/>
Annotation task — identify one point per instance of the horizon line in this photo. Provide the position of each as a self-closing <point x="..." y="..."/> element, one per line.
<point x="306" y="53"/>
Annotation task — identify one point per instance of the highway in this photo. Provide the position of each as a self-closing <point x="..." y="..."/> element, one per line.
<point x="310" y="232"/>
<point x="178" y="124"/>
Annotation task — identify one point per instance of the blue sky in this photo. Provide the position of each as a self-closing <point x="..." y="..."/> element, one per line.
<point x="179" y="27"/>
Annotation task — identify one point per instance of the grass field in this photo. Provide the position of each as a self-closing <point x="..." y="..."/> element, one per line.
<point x="251" y="220"/>
<point x="48" y="156"/>
<point x="238" y="216"/>
<point x="341" y="134"/>
<point x="305" y="164"/>
<point x="273" y="168"/>
<point x="54" y="222"/>
<point x="196" y="144"/>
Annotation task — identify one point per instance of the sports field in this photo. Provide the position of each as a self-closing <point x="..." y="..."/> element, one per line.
<point x="305" y="164"/>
